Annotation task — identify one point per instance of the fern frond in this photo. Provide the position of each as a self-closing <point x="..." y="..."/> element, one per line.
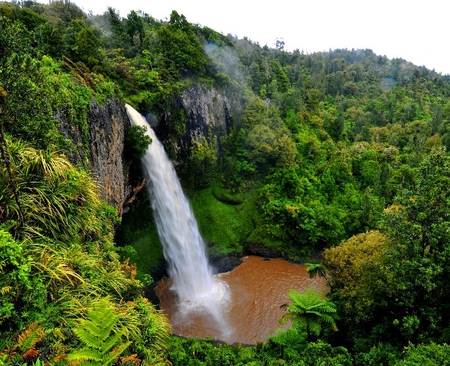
<point x="86" y="354"/>
<point x="111" y="342"/>
<point x="310" y="311"/>
<point x="4" y="290"/>
<point x="88" y="338"/>
<point x="116" y="352"/>
<point x="25" y="346"/>
<point x="96" y="332"/>
<point x="30" y="336"/>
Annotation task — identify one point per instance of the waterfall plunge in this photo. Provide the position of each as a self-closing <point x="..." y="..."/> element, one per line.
<point x="183" y="246"/>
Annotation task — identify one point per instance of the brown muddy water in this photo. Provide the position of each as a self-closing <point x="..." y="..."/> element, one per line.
<point x="258" y="290"/>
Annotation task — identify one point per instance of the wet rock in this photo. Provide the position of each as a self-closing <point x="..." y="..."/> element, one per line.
<point x="262" y="251"/>
<point x="225" y="263"/>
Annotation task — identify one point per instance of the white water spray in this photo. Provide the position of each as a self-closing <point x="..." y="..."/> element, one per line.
<point x="183" y="246"/>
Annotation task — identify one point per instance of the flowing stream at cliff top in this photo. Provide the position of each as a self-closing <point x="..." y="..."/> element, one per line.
<point x="197" y="290"/>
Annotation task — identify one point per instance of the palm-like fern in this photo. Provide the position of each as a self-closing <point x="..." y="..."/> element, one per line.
<point x="102" y="344"/>
<point x="290" y="342"/>
<point x="56" y="199"/>
<point x="316" y="269"/>
<point x="310" y="311"/>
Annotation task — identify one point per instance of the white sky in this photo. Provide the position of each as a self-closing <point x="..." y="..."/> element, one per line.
<point x="415" y="30"/>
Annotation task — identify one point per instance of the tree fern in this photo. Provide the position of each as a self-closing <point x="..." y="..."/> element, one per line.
<point x="102" y="344"/>
<point x="310" y="311"/>
<point x="290" y="342"/>
<point x="316" y="269"/>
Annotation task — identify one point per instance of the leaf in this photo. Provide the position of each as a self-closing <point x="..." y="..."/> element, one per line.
<point x="86" y="354"/>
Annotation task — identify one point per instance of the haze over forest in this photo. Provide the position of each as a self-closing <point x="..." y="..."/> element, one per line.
<point x="396" y="29"/>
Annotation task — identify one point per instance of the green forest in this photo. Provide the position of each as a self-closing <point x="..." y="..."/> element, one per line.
<point x="336" y="159"/>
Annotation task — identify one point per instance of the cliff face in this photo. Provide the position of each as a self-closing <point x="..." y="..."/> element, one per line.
<point x="107" y="124"/>
<point x="209" y="113"/>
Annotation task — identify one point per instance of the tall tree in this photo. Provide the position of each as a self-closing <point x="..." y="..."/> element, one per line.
<point x="420" y="226"/>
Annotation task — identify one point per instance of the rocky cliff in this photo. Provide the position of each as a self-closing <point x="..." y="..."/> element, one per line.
<point x="107" y="124"/>
<point x="208" y="113"/>
<point x="100" y="149"/>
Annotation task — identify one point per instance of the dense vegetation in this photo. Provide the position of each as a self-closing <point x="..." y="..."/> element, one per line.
<point x="340" y="155"/>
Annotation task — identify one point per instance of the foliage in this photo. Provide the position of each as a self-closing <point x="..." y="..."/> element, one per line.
<point x="65" y="256"/>
<point x="180" y="49"/>
<point x="47" y="179"/>
<point x="101" y="346"/>
<point x="418" y="225"/>
<point x="310" y="312"/>
<point x="23" y="294"/>
<point x="226" y="225"/>
<point x="360" y="275"/>
<point x="426" y="354"/>
<point x="136" y="142"/>
<point x="202" y="165"/>
<point x="342" y="151"/>
<point x="22" y="115"/>
<point x="291" y="342"/>
<point x="316" y="269"/>
<point x="321" y="353"/>
<point x="24" y="349"/>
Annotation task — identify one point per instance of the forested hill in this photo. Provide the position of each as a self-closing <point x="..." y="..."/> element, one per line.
<point x="340" y="156"/>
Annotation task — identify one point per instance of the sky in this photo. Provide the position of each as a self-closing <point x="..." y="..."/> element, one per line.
<point x="414" y="30"/>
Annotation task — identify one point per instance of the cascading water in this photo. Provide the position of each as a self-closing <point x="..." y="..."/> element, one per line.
<point x="183" y="246"/>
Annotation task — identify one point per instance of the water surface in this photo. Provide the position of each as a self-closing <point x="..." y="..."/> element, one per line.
<point x="258" y="289"/>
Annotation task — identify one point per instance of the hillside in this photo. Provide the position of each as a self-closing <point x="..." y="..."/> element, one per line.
<point x="337" y="157"/>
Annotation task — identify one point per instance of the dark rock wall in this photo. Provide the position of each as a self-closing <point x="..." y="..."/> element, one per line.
<point x="107" y="125"/>
<point x="210" y="113"/>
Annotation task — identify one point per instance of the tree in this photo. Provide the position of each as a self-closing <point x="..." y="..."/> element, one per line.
<point x="268" y="140"/>
<point x="419" y="224"/>
<point x="62" y="12"/>
<point x="181" y="51"/>
<point x="359" y="275"/>
<point x="425" y="355"/>
<point x="201" y="169"/>
<point x="82" y="44"/>
<point x="310" y="312"/>
<point x="136" y="142"/>
<point x="26" y="110"/>
<point x="316" y="269"/>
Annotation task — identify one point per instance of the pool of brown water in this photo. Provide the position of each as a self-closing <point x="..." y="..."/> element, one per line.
<point x="258" y="290"/>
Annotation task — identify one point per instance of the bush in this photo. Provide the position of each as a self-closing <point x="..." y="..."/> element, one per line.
<point x="136" y="142"/>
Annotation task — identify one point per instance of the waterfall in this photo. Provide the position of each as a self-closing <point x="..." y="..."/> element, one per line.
<point x="183" y="246"/>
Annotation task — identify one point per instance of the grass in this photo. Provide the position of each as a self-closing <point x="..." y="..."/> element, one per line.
<point x="225" y="226"/>
<point x="138" y="238"/>
<point x="148" y="256"/>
